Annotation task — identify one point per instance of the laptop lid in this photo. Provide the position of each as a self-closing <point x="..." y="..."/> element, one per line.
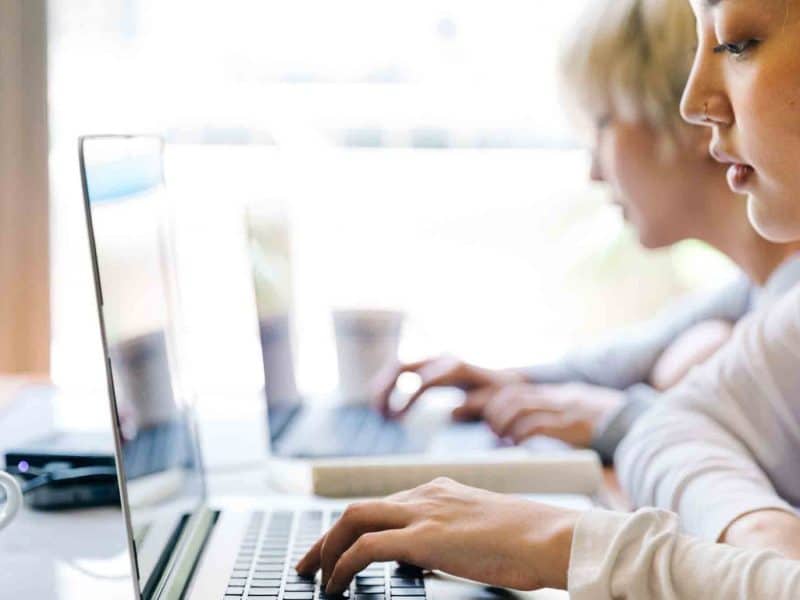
<point x="129" y="220"/>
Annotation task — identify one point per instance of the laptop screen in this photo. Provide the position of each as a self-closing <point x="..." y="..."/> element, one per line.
<point x="129" y="219"/>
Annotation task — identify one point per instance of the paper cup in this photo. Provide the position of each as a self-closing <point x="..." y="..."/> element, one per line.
<point x="366" y="341"/>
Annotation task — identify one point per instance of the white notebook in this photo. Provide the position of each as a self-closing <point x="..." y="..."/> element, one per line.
<point x="509" y="471"/>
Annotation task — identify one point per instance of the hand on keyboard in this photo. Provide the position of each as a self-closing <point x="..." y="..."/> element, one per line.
<point x="441" y="371"/>
<point x="491" y="538"/>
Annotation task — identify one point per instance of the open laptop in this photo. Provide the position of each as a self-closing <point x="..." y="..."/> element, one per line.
<point x="182" y="545"/>
<point x="314" y="428"/>
<point x="342" y="423"/>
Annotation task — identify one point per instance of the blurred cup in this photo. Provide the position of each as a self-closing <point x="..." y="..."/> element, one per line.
<point x="366" y="341"/>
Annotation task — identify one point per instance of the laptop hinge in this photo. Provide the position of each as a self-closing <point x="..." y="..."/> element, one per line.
<point x="191" y="541"/>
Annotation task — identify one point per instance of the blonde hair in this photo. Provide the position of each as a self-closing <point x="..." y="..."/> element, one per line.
<point x="630" y="59"/>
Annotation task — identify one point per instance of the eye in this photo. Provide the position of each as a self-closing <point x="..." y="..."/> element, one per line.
<point x="736" y="48"/>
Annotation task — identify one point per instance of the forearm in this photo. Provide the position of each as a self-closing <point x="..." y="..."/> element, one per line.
<point x="685" y="462"/>
<point x="642" y="555"/>
<point x="724" y="442"/>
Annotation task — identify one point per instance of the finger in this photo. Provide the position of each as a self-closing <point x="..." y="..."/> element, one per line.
<point x="432" y="373"/>
<point x="358" y="519"/>
<point x="371" y="547"/>
<point x="386" y="381"/>
<point x="496" y="408"/>
<point x="424" y="387"/>
<point x="504" y="421"/>
<point x="309" y="564"/>
<point x="474" y="405"/>
<point x="534" y="424"/>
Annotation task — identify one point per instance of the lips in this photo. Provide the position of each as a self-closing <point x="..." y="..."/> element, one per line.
<point x="739" y="173"/>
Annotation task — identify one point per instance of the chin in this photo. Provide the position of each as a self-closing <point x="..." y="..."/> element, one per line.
<point x="652" y="240"/>
<point x="779" y="226"/>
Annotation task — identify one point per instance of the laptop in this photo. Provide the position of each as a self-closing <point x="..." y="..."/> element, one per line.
<point x="341" y="423"/>
<point x="183" y="544"/>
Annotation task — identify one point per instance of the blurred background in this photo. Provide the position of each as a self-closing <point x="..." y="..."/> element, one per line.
<point x="414" y="155"/>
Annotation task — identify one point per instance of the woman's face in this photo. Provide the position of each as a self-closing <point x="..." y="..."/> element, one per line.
<point x="657" y="191"/>
<point x="745" y="85"/>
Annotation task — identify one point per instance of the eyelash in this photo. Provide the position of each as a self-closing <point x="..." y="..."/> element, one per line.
<point x="736" y="49"/>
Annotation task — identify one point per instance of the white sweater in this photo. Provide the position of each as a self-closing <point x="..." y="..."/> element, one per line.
<point x="723" y="443"/>
<point x="642" y="556"/>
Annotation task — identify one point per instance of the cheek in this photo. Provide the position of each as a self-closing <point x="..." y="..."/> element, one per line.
<point x="629" y="170"/>
<point x="768" y="116"/>
<point x="768" y="119"/>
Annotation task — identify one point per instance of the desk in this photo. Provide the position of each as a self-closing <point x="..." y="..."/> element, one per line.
<point x="65" y="556"/>
<point x="80" y="555"/>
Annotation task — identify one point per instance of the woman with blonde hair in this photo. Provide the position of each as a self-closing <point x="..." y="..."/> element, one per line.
<point x="623" y="72"/>
<point x="736" y="482"/>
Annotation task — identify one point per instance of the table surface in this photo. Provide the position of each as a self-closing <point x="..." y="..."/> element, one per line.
<point x="71" y="555"/>
<point x="75" y="555"/>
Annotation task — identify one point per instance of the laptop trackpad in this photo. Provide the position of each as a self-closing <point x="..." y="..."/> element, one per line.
<point x="445" y="587"/>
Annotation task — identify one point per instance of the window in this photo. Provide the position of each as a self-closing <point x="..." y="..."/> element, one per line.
<point x="418" y="149"/>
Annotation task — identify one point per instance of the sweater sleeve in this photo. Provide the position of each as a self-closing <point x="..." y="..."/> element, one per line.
<point x="643" y="556"/>
<point x="727" y="440"/>
<point x="627" y="357"/>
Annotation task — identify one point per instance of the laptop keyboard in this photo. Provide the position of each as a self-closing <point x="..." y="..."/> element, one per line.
<point x="351" y="431"/>
<point x="273" y="544"/>
<point x="364" y="432"/>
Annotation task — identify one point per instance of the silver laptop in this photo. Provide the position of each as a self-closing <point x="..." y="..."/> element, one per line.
<point x="181" y="544"/>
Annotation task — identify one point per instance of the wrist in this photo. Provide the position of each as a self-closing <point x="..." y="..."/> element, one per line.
<point x="551" y="545"/>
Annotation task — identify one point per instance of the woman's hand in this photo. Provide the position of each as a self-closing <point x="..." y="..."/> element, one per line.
<point x="767" y="529"/>
<point x="436" y="372"/>
<point x="570" y="412"/>
<point x="443" y="525"/>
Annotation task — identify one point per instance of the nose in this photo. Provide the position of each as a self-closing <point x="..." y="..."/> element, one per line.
<point x="595" y="170"/>
<point x="704" y="101"/>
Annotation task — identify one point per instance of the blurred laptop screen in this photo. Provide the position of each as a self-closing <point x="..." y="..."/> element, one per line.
<point x="130" y="229"/>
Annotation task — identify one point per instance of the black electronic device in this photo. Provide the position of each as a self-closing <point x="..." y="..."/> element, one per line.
<point x="66" y="470"/>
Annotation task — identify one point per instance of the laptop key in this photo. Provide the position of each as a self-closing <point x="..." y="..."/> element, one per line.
<point x="406" y="582"/>
<point x="370" y="589"/>
<point x="299" y="587"/>
<point x="407" y="592"/>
